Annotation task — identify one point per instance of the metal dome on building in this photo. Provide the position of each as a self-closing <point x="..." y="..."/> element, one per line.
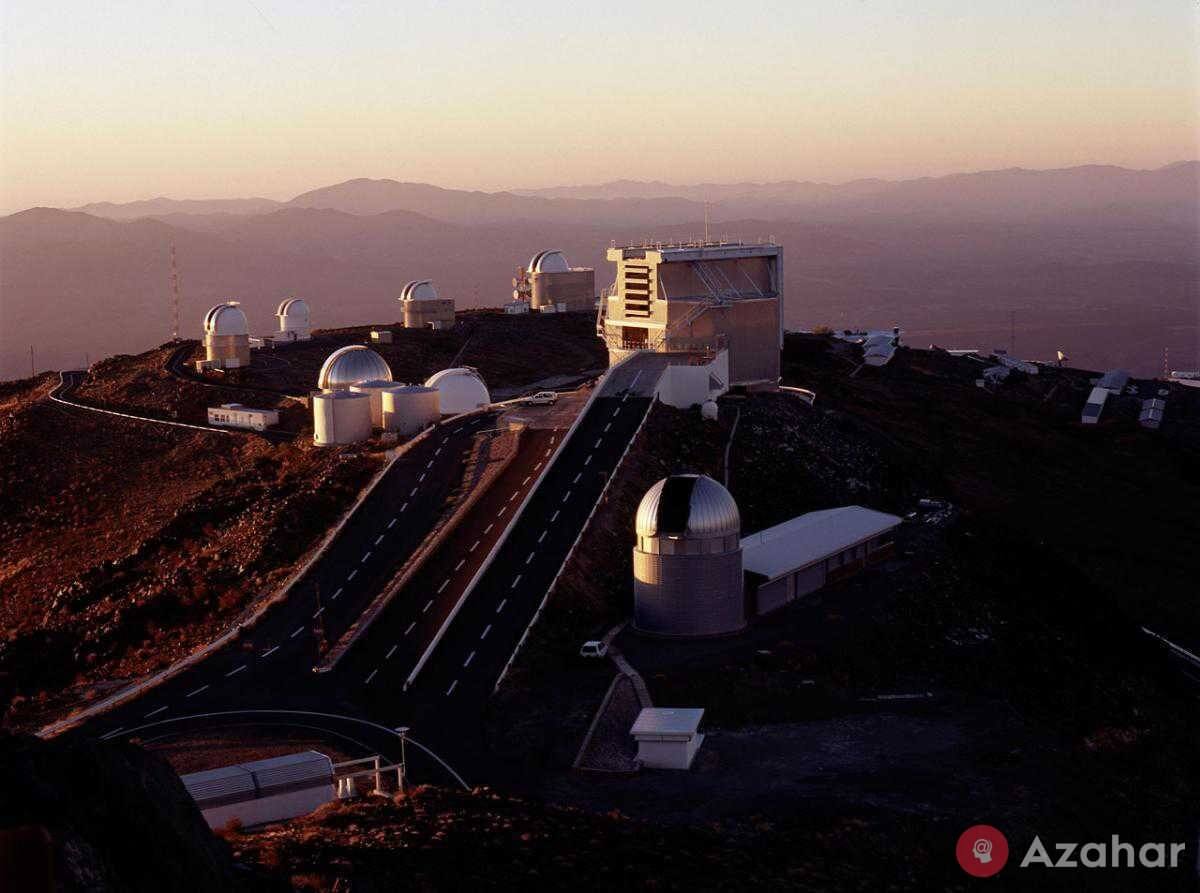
<point x="553" y="261"/>
<point x="688" y="505"/>
<point x="226" y="319"/>
<point x="419" y="290"/>
<point x="461" y="389"/>
<point x="293" y="309"/>
<point x="350" y="365"/>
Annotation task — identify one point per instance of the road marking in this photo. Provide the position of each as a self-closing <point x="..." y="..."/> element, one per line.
<point x="575" y="480"/>
<point x="155" y="712"/>
<point x="115" y="731"/>
<point x="366" y="556"/>
<point x="372" y="676"/>
<point x="391" y="652"/>
<point x="626" y="397"/>
<point x="514" y="495"/>
<point x="487" y="629"/>
<point x="444" y="585"/>
<point x="410" y="628"/>
<point x="427" y="605"/>
<point x="392" y="523"/>
<point x="450" y="690"/>
<point x="270" y="651"/>
<point x="319" y="612"/>
<point x="445" y="440"/>
<point x="543" y="536"/>
<point x="548" y="454"/>
<point x="500" y="513"/>
<point x="596" y="446"/>
<point x="412" y="492"/>
<point x="500" y="607"/>
<point x="456" y="430"/>
<point x="429" y="464"/>
<point x="470" y="657"/>
<point x="474" y="547"/>
<point x="421" y="478"/>
<point x="566" y="496"/>
<point x="235" y="672"/>
<point x="536" y="467"/>
<point x="193" y="694"/>
<point x="402" y="508"/>
<point x="461" y="562"/>
<point x="607" y="425"/>
<point x="379" y="539"/>
<point x="588" y="459"/>
<point x="516" y="580"/>
<point x="336" y="594"/>
<point x="526" y="481"/>
<point x="299" y="630"/>
<point x="530" y="558"/>
<point x="351" y="575"/>
<point x="486" y="529"/>
<point x="554" y="517"/>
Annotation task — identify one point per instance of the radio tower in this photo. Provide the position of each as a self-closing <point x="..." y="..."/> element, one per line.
<point x="174" y="295"/>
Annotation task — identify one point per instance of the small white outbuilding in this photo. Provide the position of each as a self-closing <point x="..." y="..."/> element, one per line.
<point x="461" y="390"/>
<point x="668" y="737"/>
<point x="263" y="791"/>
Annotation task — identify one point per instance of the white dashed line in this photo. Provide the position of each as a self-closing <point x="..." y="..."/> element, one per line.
<point x="444" y="585"/>
<point x="412" y="493"/>
<point x="366" y="556"/>
<point x="548" y="453"/>
<point x="554" y="517"/>
<point x="402" y="508"/>
<point x="615" y="411"/>
<point x="526" y="481"/>
<point x="543" y="536"/>
<point x="588" y="459"/>
<point x="392" y="523"/>
<point x="379" y="539"/>
<point x="299" y="630"/>
<point x="192" y="694"/>
<point x="270" y="651"/>
<point x="391" y="652"/>
<point x="500" y="607"/>
<point x="607" y="425"/>
<point x="486" y="529"/>
<point x="487" y="629"/>
<point x="456" y="430"/>
<point x="336" y="594"/>
<point x="596" y="445"/>
<point x="429" y="464"/>
<point x="470" y="657"/>
<point x="421" y="479"/>
<point x="155" y="712"/>
<point x="319" y="612"/>
<point x="566" y="496"/>
<point x="115" y="731"/>
<point x="350" y="576"/>
<point x="536" y="467"/>
<point x="372" y="676"/>
<point x="235" y="672"/>
<point x="474" y="547"/>
<point x="516" y="580"/>
<point x="575" y="480"/>
<point x="428" y="604"/>
<point x="458" y="566"/>
<point x="514" y="496"/>
<point x="410" y="628"/>
<point x="450" y="690"/>
<point x="500" y="514"/>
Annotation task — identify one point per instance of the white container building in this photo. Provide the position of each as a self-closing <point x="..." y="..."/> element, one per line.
<point x="235" y="415"/>
<point x="294" y="321"/>
<point x="340" y="417"/>
<point x="668" y="737"/>
<point x="461" y="390"/>
<point x="1094" y="406"/>
<point x="375" y="390"/>
<point x="410" y="409"/>
<point x="263" y="791"/>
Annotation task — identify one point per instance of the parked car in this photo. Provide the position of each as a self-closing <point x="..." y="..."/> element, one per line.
<point x="593" y="648"/>
<point x="542" y="398"/>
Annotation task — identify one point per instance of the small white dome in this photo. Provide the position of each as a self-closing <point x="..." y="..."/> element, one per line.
<point x="688" y="505"/>
<point x="226" y="319"/>
<point x="351" y="365"/>
<point x="460" y="390"/>
<point x="293" y="310"/>
<point x="419" y="290"/>
<point x="549" y="262"/>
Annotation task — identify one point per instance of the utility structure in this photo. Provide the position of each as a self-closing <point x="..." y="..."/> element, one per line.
<point x="549" y="284"/>
<point x="174" y="295"/>
<point x="698" y="298"/>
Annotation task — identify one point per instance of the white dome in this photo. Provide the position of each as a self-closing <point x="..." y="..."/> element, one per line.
<point x="549" y="262"/>
<point x="351" y="365"/>
<point x="293" y="310"/>
<point x="226" y="319"/>
<point x="419" y="290"/>
<point x="459" y="390"/>
<point x="688" y="505"/>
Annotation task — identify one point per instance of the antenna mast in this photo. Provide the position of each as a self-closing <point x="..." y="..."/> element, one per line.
<point x="706" y="222"/>
<point x="174" y="295"/>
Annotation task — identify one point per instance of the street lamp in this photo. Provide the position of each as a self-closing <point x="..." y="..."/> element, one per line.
<point x="402" y="731"/>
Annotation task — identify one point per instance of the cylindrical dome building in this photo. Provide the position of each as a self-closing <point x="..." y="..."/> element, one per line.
<point x="293" y="319"/>
<point x="409" y="409"/>
<point x="687" y="564"/>
<point x="460" y="390"/>
<point x="351" y="364"/>
<point x="555" y="285"/>
<point x="340" y="417"/>
<point x="423" y="308"/>
<point x="375" y="389"/>
<point x="226" y="336"/>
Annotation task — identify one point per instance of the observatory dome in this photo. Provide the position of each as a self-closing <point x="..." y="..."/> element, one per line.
<point x="293" y="309"/>
<point x="460" y="390"/>
<point x="226" y="319"/>
<point x="419" y="290"/>
<point x="350" y="365"/>
<point x="688" y="505"/>
<point x="549" y="262"/>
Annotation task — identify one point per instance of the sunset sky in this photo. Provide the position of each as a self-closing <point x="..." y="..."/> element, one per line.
<point x="125" y="100"/>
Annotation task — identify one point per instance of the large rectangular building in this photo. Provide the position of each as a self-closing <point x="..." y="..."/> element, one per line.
<point x="699" y="297"/>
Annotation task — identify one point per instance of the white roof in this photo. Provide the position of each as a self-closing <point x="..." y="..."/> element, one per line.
<point x="226" y="319"/>
<point x="667" y="721"/>
<point x="248" y="781"/>
<point x="810" y="537"/>
<point x="419" y="290"/>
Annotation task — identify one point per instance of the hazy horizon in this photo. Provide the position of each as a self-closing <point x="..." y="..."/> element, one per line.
<point x="266" y="99"/>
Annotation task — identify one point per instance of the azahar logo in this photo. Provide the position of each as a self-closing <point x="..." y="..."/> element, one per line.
<point x="982" y="851"/>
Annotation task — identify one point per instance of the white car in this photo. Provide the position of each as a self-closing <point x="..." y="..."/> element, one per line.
<point x="593" y="648"/>
<point x="542" y="398"/>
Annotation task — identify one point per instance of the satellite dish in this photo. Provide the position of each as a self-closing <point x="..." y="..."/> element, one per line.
<point x="516" y="282"/>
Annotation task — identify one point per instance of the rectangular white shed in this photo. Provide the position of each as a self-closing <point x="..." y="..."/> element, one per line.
<point x="668" y="737"/>
<point x="268" y="790"/>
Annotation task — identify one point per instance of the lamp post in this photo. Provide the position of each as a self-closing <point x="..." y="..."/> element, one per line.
<point x="402" y="731"/>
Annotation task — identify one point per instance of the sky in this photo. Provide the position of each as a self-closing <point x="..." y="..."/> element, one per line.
<point x="125" y="100"/>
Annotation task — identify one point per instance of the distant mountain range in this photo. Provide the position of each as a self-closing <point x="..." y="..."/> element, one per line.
<point x="1099" y="260"/>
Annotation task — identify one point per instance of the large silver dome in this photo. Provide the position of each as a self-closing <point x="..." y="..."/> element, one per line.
<point x="552" y="261"/>
<point x="350" y="365"/>
<point x="688" y="505"/>
<point x="225" y="319"/>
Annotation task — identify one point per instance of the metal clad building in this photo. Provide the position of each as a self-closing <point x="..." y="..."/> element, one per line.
<point x="687" y="564"/>
<point x="226" y="337"/>
<point x="423" y="308"/>
<point x="262" y="791"/>
<point x="698" y="298"/>
<point x="555" y="285"/>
